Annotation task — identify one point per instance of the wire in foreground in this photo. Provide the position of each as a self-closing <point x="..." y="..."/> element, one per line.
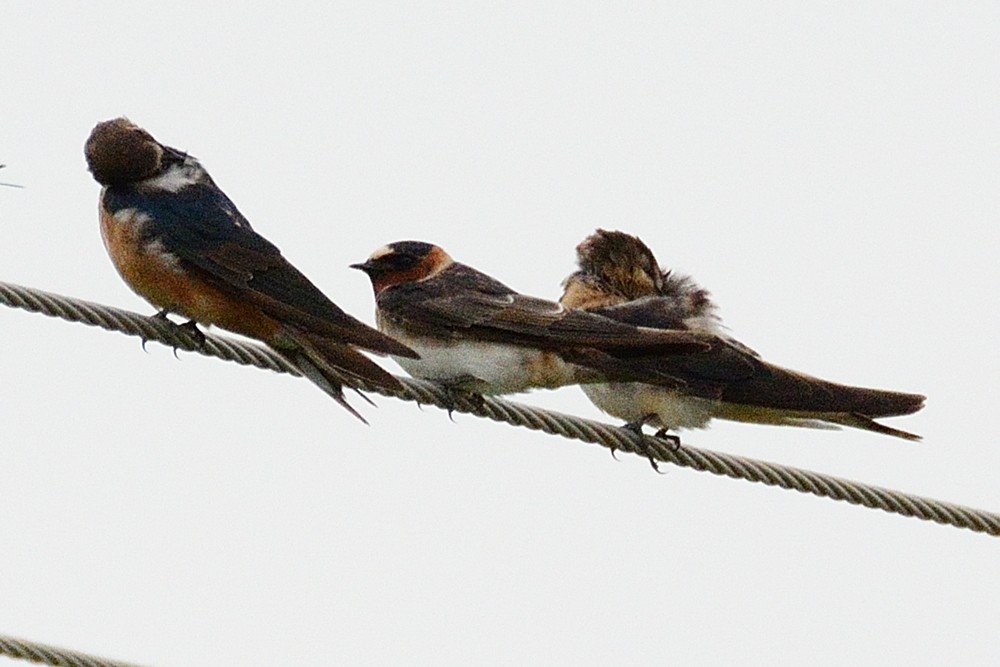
<point x="517" y="414"/>
<point x="49" y="655"/>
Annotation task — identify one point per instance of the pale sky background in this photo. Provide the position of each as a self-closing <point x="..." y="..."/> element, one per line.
<point x="830" y="171"/>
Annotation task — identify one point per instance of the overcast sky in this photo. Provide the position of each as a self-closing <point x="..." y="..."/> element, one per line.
<point x="829" y="171"/>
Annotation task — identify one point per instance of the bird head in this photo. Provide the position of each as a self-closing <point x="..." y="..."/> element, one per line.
<point x="403" y="261"/>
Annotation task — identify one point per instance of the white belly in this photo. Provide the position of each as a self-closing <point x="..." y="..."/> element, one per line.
<point x="480" y="367"/>
<point x="657" y="406"/>
<point x="669" y="409"/>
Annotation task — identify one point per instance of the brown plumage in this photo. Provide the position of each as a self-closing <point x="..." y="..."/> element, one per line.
<point x="476" y="334"/>
<point x="619" y="277"/>
<point x="179" y="242"/>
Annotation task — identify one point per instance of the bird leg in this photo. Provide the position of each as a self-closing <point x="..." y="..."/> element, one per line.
<point x="674" y="440"/>
<point x="644" y="448"/>
<point x="635" y="427"/>
<point x="190" y="328"/>
<point x="160" y="315"/>
<point x="456" y="389"/>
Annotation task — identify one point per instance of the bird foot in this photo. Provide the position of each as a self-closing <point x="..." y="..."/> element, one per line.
<point x="674" y="440"/>
<point x="635" y="427"/>
<point x="160" y="315"/>
<point x="644" y="448"/>
<point x="191" y="328"/>
<point x="455" y="392"/>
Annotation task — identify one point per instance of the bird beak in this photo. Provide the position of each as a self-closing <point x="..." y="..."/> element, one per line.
<point x="363" y="266"/>
<point x="172" y="155"/>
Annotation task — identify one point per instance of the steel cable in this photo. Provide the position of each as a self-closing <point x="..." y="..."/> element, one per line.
<point x="517" y="414"/>
<point x="49" y="655"/>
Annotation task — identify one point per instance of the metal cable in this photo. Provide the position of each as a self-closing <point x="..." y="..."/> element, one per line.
<point x="568" y="426"/>
<point x="49" y="655"/>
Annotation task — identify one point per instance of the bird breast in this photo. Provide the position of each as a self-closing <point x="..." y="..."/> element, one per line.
<point x="658" y="406"/>
<point x="480" y="366"/>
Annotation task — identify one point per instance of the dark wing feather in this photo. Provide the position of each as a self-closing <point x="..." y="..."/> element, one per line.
<point x="201" y="225"/>
<point x="660" y="312"/>
<point x="734" y="373"/>
<point x="775" y="387"/>
<point x="468" y="303"/>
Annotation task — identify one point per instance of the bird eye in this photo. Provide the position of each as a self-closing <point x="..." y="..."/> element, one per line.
<point x="403" y="260"/>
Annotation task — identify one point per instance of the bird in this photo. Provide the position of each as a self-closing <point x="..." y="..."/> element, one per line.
<point x="476" y="336"/>
<point x="179" y="242"/>
<point x="618" y="277"/>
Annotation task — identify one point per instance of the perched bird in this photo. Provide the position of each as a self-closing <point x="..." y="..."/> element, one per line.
<point x="477" y="336"/>
<point x="180" y="243"/>
<point x="619" y="277"/>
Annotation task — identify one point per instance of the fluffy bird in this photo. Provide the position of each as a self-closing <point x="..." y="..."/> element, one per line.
<point x="180" y="243"/>
<point x="475" y="335"/>
<point x="619" y="278"/>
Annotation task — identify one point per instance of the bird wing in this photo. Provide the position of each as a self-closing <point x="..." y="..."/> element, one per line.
<point x="661" y="312"/>
<point x="466" y="303"/>
<point x="201" y="226"/>
<point x="732" y="372"/>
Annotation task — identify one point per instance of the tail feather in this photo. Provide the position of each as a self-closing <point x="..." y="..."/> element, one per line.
<point x="329" y="387"/>
<point x="338" y="357"/>
<point x="327" y="363"/>
<point x="776" y="387"/>
<point x="754" y="414"/>
<point x="373" y="340"/>
<point x="729" y="373"/>
<point x="876" y="402"/>
<point x="868" y="424"/>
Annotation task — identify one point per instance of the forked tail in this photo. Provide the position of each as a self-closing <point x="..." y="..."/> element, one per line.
<point x="328" y="363"/>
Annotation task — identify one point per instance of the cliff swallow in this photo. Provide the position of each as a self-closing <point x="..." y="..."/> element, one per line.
<point x="476" y="335"/>
<point x="180" y="243"/>
<point x="619" y="277"/>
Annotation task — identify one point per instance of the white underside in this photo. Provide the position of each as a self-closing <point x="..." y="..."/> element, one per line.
<point x="667" y="408"/>
<point x="485" y="368"/>
<point x="657" y="406"/>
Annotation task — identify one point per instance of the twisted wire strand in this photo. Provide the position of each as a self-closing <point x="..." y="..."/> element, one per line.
<point x="49" y="655"/>
<point x="568" y="426"/>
